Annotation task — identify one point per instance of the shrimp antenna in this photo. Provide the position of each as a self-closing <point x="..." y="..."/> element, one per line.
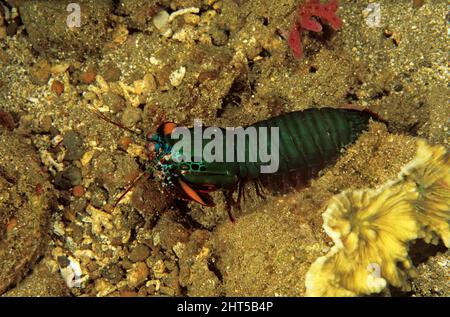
<point x="133" y="184"/>
<point x="105" y="118"/>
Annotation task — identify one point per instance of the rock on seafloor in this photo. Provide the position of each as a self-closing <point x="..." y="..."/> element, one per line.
<point x="46" y="24"/>
<point x="24" y="209"/>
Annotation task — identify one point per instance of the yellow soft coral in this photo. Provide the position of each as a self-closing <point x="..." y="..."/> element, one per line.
<point x="430" y="170"/>
<point x="371" y="230"/>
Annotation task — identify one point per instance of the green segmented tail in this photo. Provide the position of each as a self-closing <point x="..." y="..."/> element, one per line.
<point x="314" y="138"/>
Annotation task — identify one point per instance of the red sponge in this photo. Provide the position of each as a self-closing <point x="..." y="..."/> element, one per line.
<point x="306" y="20"/>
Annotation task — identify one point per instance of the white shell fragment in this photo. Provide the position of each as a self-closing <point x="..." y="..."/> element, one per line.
<point x="176" y="14"/>
<point x="177" y="76"/>
<point x="160" y="20"/>
<point x="163" y="19"/>
<point x="72" y="274"/>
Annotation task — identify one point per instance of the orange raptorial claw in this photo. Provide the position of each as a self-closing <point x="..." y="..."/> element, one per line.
<point x="206" y="188"/>
<point x="199" y="197"/>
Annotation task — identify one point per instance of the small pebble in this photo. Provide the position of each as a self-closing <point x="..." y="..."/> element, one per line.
<point x="124" y="143"/>
<point x="138" y="274"/>
<point x="46" y="124"/>
<point x="113" y="273"/>
<point x="162" y="76"/>
<point x="208" y="75"/>
<point x="69" y="215"/>
<point x="418" y="3"/>
<point x="126" y="264"/>
<point x="59" y="68"/>
<point x="219" y="37"/>
<point x="7" y="120"/>
<point x="63" y="261"/>
<point x="111" y="72"/>
<point x="12" y="223"/>
<point x="170" y="232"/>
<point x="74" y="146"/>
<point x="192" y="19"/>
<point x="115" y="102"/>
<point x="168" y="291"/>
<point x="116" y="241"/>
<point x="12" y="28"/>
<point x="98" y="196"/>
<point x="131" y="116"/>
<point x="68" y="178"/>
<point x="398" y="87"/>
<point x="127" y="293"/>
<point x="78" y="191"/>
<point x="146" y="85"/>
<point x="57" y="87"/>
<point x="40" y="72"/>
<point x="177" y="76"/>
<point x="39" y="189"/>
<point x="88" y="77"/>
<point x="89" y="95"/>
<point x="161" y="20"/>
<point x="139" y="253"/>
